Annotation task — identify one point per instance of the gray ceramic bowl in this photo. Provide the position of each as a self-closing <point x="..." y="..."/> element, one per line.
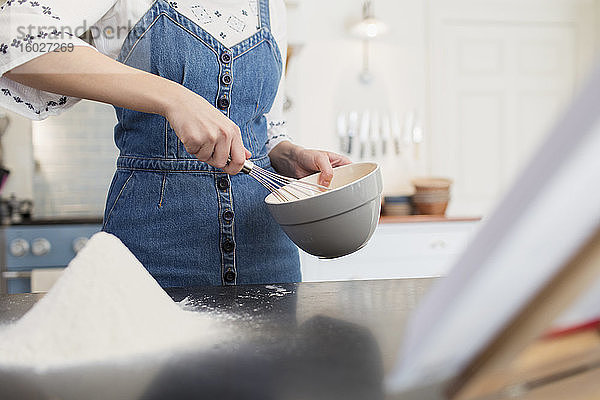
<point x="337" y="222"/>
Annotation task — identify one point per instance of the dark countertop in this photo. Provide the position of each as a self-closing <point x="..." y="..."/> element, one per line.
<point x="327" y="340"/>
<point x="59" y="221"/>
<point x="384" y="219"/>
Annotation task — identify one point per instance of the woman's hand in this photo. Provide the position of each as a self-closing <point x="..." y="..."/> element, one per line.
<point x="206" y="133"/>
<point x="297" y="162"/>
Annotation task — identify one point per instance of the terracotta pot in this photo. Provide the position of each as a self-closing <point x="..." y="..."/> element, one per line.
<point x="431" y="208"/>
<point x="431" y="184"/>
<point x="431" y="197"/>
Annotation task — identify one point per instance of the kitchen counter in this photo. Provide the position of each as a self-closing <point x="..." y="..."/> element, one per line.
<point x="318" y="341"/>
<point x="409" y="219"/>
<point x="329" y="340"/>
<point x="60" y="221"/>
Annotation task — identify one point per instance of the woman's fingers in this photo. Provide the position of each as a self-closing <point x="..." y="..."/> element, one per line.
<point x="223" y="149"/>
<point x="338" y="160"/>
<point x="324" y="165"/>
<point x="202" y="152"/>
<point x="237" y="156"/>
<point x="221" y="152"/>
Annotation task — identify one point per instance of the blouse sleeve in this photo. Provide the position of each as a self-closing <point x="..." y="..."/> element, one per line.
<point x="31" y="28"/>
<point x="276" y="122"/>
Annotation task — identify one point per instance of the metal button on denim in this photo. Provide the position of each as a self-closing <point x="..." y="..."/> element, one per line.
<point x="229" y="276"/>
<point x="226" y="79"/>
<point x="228" y="246"/>
<point x="223" y="102"/>
<point x="225" y="58"/>
<point x="223" y="183"/>
<point x="228" y="215"/>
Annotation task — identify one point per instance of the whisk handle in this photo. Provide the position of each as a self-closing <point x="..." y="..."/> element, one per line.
<point x="247" y="168"/>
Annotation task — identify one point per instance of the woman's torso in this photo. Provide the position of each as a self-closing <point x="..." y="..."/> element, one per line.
<point x="188" y="222"/>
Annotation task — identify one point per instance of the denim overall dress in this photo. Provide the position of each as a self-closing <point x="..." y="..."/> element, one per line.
<point x="188" y="222"/>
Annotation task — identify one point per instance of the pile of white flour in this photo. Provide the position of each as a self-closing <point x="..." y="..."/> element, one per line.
<point x="105" y="307"/>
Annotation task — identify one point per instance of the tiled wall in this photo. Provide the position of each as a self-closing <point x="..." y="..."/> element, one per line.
<point x="17" y="157"/>
<point x="74" y="156"/>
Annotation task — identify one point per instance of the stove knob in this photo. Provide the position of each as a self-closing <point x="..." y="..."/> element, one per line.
<point x="19" y="247"/>
<point x="40" y="247"/>
<point x="79" y="244"/>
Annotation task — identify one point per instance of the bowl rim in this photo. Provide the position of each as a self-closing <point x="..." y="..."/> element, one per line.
<point x="328" y="192"/>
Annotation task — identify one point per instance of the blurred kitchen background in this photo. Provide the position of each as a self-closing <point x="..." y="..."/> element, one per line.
<point x="458" y="89"/>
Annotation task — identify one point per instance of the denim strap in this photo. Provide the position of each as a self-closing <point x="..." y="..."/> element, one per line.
<point x="265" y="21"/>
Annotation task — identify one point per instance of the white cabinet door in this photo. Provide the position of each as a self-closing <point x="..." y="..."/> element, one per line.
<point x="500" y="74"/>
<point x="406" y="250"/>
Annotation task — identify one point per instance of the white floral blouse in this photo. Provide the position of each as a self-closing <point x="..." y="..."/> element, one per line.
<point x="30" y="28"/>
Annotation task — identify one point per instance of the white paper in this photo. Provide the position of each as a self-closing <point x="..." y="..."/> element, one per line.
<point x="549" y="213"/>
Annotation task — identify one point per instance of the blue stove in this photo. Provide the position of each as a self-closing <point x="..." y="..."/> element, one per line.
<point x="40" y="244"/>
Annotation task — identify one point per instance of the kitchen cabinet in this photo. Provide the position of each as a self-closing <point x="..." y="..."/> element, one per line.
<point x="500" y="74"/>
<point x="396" y="250"/>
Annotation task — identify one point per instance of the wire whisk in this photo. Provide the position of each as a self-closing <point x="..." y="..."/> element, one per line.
<point x="283" y="188"/>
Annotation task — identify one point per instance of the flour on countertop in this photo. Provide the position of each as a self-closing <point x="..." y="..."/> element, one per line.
<point x="105" y="307"/>
<point x="278" y="291"/>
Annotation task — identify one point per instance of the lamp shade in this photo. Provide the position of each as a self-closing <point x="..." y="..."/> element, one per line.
<point x="369" y="28"/>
